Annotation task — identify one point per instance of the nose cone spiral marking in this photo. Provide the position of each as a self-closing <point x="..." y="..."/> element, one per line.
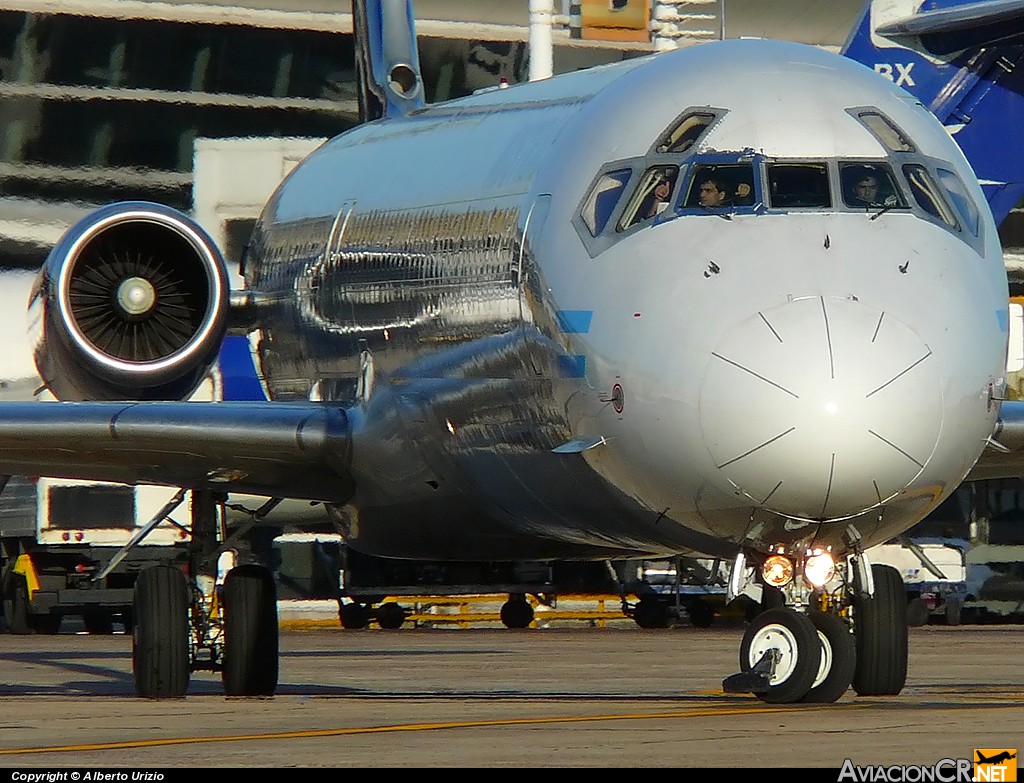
<point x="821" y="408"/>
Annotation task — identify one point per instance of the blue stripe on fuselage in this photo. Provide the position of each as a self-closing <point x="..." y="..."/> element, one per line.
<point x="573" y="366"/>
<point x="238" y="373"/>
<point x="574" y="321"/>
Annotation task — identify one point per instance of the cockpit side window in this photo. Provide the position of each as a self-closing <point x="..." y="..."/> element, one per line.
<point x="652" y="196"/>
<point x="885" y="131"/>
<point x="798" y="185"/>
<point x="600" y="204"/>
<point x="927" y="194"/>
<point x="961" y="199"/>
<point x="717" y="186"/>
<point x="686" y="132"/>
<point x="870" y="186"/>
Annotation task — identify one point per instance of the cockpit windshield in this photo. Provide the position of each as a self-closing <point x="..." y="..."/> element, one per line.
<point x="793" y="185"/>
<point x="603" y="197"/>
<point x="927" y="195"/>
<point x="870" y="186"/>
<point x="651" y="197"/>
<point x="720" y="186"/>
<point x="630" y="195"/>
<point x="685" y="133"/>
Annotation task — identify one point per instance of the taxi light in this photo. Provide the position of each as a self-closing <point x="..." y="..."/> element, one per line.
<point x="777" y="571"/>
<point x="819" y="569"/>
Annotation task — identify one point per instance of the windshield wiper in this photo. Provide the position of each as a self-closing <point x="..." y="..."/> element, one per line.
<point x="714" y="211"/>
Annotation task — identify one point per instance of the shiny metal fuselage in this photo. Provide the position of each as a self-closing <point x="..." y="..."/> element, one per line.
<point x="427" y="271"/>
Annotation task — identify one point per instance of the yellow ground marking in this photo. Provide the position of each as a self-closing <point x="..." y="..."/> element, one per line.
<point x="447" y="725"/>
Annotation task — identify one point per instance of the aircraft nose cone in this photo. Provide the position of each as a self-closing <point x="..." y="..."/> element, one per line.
<point x="821" y="407"/>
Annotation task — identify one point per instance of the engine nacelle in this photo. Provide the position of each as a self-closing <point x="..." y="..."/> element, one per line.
<point x="131" y="304"/>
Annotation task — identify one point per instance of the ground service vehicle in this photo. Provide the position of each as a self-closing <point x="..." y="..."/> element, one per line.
<point x="62" y="545"/>
<point x="934" y="573"/>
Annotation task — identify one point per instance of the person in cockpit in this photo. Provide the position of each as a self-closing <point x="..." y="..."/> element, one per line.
<point x="713" y="193"/>
<point x="661" y="193"/>
<point x="866" y="192"/>
<point x="744" y="195"/>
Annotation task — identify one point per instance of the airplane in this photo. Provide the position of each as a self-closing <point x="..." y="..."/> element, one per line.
<point x="479" y="343"/>
<point x="996" y="759"/>
<point x="963" y="60"/>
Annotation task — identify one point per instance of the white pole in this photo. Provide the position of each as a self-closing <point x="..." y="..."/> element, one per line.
<point x="542" y="14"/>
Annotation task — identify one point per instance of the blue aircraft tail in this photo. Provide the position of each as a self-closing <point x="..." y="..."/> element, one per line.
<point x="964" y="60"/>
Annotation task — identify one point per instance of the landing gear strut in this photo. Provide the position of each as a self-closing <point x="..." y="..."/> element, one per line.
<point x="818" y="644"/>
<point x="183" y="625"/>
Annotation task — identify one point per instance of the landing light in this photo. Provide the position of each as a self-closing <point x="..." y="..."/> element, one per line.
<point x="777" y="571"/>
<point x="819" y="569"/>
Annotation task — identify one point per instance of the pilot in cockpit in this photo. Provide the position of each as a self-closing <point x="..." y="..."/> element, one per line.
<point x="661" y="193"/>
<point x="866" y="191"/>
<point x="713" y="193"/>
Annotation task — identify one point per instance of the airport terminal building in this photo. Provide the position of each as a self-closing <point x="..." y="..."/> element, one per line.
<point x="104" y="99"/>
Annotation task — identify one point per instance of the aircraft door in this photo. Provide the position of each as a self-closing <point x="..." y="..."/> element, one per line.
<point x="528" y="270"/>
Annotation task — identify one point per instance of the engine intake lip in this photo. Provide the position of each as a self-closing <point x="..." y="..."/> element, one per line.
<point x="202" y="255"/>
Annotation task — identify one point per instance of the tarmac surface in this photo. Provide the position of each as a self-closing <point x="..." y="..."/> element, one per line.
<point x="447" y="697"/>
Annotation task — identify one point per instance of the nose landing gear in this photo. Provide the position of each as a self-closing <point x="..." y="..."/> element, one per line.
<point x="780" y="656"/>
<point x="802" y="653"/>
<point x="838" y="659"/>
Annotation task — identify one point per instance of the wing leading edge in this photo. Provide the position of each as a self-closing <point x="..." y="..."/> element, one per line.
<point x="948" y="30"/>
<point x="297" y="450"/>
<point x="967" y="17"/>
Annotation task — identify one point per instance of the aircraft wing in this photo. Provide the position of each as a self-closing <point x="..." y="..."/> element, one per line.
<point x="947" y="30"/>
<point x="1004" y="456"/>
<point x="297" y="450"/>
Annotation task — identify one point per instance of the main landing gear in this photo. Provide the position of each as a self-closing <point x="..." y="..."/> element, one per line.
<point x="811" y="644"/>
<point x="190" y="623"/>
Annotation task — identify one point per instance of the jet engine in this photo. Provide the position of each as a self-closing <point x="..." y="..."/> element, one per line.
<point x="131" y="304"/>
